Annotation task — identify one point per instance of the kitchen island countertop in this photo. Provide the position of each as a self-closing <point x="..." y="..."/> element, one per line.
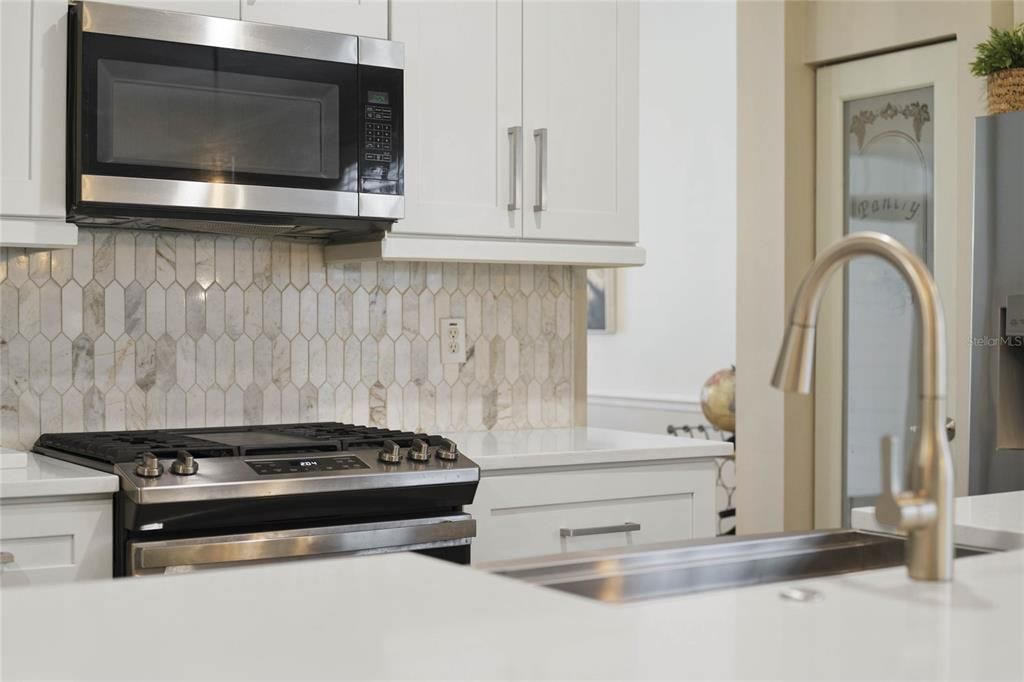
<point x="993" y="521"/>
<point x="407" y="616"/>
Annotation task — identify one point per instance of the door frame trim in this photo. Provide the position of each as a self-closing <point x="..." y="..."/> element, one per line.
<point x="932" y="65"/>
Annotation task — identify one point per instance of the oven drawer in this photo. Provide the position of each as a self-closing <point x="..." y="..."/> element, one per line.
<point x="43" y="543"/>
<point x="160" y="556"/>
<point x="533" y="514"/>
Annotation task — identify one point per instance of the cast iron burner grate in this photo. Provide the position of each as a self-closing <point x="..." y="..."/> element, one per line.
<point x="350" y="435"/>
<point x="126" y="446"/>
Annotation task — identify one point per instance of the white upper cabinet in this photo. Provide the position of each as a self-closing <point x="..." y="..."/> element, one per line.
<point x="521" y="119"/>
<point x="580" y="120"/>
<point x="463" y="96"/>
<point x="356" y="17"/>
<point x="211" y="8"/>
<point x="33" y="49"/>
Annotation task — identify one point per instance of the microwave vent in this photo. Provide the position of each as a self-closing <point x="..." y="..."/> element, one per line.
<point x="310" y="233"/>
<point x="237" y="229"/>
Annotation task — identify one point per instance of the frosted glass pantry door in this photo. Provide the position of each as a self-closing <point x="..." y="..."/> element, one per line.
<point x="886" y="163"/>
<point x="889" y="160"/>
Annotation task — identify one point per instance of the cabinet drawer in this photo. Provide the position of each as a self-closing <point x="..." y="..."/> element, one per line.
<point x="56" y="541"/>
<point x="532" y="514"/>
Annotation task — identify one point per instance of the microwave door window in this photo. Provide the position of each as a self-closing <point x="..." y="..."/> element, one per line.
<point x="219" y="122"/>
<point x="174" y="111"/>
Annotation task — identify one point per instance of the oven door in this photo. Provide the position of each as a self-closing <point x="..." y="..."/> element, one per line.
<point x="445" y="536"/>
<point x="186" y="114"/>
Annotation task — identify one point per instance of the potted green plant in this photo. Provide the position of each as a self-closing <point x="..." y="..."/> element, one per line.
<point x="1000" y="59"/>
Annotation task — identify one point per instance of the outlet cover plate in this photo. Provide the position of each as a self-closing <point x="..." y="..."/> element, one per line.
<point x="453" y="340"/>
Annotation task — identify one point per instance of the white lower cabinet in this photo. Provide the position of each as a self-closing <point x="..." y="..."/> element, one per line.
<point x="49" y="541"/>
<point x="566" y="510"/>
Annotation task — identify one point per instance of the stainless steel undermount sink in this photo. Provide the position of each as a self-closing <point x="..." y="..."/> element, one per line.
<point x="671" y="569"/>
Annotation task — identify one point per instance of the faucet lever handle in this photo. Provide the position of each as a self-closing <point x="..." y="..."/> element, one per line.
<point x="887" y="509"/>
<point x="892" y="457"/>
<point x="894" y="507"/>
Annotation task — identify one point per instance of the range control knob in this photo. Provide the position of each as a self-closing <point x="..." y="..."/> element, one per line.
<point x="448" y="450"/>
<point x="149" y="466"/>
<point x="390" y="453"/>
<point x="420" y="451"/>
<point x="185" y="464"/>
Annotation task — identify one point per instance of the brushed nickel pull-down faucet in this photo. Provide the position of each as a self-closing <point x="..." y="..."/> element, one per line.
<point x="926" y="510"/>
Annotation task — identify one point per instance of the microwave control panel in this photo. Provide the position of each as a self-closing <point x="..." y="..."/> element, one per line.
<point x="377" y="131"/>
<point x="380" y="148"/>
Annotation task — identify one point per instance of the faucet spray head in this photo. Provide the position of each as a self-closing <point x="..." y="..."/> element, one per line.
<point x="794" y="370"/>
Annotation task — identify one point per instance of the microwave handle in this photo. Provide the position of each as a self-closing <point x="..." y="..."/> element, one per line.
<point x="515" y="134"/>
<point x="540" y="138"/>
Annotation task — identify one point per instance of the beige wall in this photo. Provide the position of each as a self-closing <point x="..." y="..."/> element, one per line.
<point x="779" y="43"/>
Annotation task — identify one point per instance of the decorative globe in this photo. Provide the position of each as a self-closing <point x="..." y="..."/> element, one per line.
<point x="718" y="399"/>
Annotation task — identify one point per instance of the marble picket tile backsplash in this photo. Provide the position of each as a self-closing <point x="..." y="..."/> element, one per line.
<point x="134" y="330"/>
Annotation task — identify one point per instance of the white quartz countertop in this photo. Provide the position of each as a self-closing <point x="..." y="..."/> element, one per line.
<point x="495" y="450"/>
<point x="47" y="477"/>
<point x="987" y="521"/>
<point x="410" y="617"/>
<point x="12" y="458"/>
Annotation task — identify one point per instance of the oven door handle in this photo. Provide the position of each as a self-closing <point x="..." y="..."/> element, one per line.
<point x="154" y="556"/>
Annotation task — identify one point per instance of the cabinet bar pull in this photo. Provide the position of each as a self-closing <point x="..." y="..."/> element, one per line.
<point x="540" y="138"/>
<point x="627" y="527"/>
<point x="514" y="135"/>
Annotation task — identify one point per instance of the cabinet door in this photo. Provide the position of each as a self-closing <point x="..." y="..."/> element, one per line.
<point x="463" y="91"/>
<point x="33" y="65"/>
<point x="580" y="86"/>
<point x="356" y="17"/>
<point x="50" y="542"/>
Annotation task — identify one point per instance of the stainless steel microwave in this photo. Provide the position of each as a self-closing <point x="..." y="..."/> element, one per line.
<point x="202" y="123"/>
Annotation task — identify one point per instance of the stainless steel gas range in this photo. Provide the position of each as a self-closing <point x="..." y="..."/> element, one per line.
<point x="199" y="498"/>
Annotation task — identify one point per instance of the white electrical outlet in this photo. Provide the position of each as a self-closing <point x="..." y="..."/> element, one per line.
<point x="453" y="341"/>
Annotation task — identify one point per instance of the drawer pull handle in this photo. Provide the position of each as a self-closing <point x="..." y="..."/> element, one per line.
<point x="6" y="558"/>
<point x="627" y="527"/>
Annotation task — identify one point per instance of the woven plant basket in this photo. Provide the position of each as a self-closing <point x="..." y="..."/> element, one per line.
<point x="1006" y="91"/>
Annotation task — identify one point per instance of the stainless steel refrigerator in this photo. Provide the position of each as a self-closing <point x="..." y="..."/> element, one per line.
<point x="997" y="355"/>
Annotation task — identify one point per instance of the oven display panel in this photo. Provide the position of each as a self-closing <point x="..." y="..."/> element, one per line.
<point x="270" y="467"/>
